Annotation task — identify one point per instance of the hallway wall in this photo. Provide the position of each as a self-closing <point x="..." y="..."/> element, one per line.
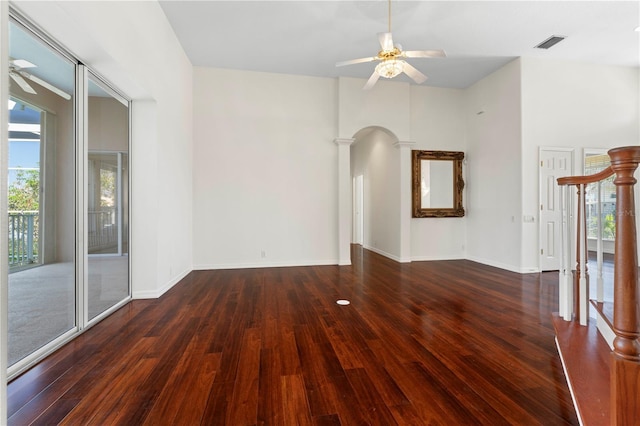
<point x="374" y="156"/>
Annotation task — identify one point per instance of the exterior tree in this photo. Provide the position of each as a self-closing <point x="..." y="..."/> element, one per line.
<point x="24" y="220"/>
<point x="24" y="191"/>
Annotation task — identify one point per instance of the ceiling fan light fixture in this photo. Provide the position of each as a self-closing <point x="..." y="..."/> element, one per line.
<point x="390" y="68"/>
<point x="390" y="63"/>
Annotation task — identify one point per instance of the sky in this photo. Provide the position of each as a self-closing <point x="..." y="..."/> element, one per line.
<point x="24" y="138"/>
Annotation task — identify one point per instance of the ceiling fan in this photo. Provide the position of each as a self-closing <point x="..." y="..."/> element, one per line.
<point x="392" y="61"/>
<point x="18" y="74"/>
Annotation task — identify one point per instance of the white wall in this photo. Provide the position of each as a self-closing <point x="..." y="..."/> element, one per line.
<point x="386" y="105"/>
<point x="494" y="183"/>
<point x="438" y="123"/>
<point x="132" y="45"/>
<point x="265" y="169"/>
<point x="570" y="104"/>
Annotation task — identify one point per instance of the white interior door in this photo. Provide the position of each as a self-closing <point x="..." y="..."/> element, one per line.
<point x="554" y="163"/>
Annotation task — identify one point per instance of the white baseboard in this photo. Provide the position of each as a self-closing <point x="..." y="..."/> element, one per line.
<point x="504" y="266"/>
<point x="430" y="258"/>
<point x="154" y="294"/>
<point x="212" y="266"/>
<point x="385" y="254"/>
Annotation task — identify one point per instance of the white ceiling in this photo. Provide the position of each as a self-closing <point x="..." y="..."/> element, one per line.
<point x="309" y="37"/>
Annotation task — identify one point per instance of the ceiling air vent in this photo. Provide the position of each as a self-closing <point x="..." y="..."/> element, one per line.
<point x="550" y="42"/>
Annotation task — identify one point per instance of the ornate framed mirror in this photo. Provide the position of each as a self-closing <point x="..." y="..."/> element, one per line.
<point x="437" y="183"/>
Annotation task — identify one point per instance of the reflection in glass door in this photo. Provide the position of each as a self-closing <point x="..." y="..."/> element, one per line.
<point x="42" y="197"/>
<point x="24" y="185"/>
<point x="107" y="215"/>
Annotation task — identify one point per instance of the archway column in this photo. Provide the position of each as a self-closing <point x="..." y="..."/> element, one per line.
<point x="344" y="200"/>
<point x="405" y="199"/>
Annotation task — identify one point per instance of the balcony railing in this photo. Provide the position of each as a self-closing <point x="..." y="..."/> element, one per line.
<point x="23" y="238"/>
<point x="102" y="229"/>
<point x="24" y="235"/>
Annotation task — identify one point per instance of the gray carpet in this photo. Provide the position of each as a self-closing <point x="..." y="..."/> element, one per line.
<point x="42" y="300"/>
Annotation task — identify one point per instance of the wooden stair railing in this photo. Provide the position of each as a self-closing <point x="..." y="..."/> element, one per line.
<point x="625" y="357"/>
<point x="576" y="307"/>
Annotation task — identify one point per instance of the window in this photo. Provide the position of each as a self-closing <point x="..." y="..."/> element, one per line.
<point x="595" y="162"/>
<point x="24" y="184"/>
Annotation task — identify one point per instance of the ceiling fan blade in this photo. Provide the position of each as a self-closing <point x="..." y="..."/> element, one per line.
<point x="22" y="83"/>
<point x="424" y="54"/>
<point x="22" y="63"/>
<point x="46" y="85"/>
<point x="356" y="61"/>
<point x="386" y="41"/>
<point x="372" y="80"/>
<point x="412" y="72"/>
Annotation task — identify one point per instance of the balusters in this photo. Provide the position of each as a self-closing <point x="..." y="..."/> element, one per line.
<point x="566" y="276"/>
<point x="22" y="238"/>
<point x="579" y="301"/>
<point x="599" y="248"/>
<point x="582" y="301"/>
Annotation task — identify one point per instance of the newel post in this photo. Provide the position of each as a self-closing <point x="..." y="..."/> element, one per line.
<point x="625" y="358"/>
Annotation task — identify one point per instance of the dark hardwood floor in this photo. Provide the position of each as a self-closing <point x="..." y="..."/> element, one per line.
<point x="446" y="342"/>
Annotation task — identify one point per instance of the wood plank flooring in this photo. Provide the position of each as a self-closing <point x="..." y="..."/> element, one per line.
<point x="425" y="343"/>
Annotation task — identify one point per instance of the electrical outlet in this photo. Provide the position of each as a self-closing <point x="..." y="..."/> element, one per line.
<point x="263" y="254"/>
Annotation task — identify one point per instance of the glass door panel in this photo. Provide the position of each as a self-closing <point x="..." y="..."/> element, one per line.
<point x="107" y="199"/>
<point x="42" y="196"/>
<point x="24" y="185"/>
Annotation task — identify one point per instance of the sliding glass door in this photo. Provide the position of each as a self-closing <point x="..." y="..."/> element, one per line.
<point x="107" y="198"/>
<point x="68" y="197"/>
<point x="42" y="195"/>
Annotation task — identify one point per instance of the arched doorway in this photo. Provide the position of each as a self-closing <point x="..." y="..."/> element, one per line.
<point x="384" y="163"/>
<point x="375" y="162"/>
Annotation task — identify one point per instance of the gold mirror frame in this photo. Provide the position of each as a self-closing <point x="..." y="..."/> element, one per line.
<point x="456" y="157"/>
